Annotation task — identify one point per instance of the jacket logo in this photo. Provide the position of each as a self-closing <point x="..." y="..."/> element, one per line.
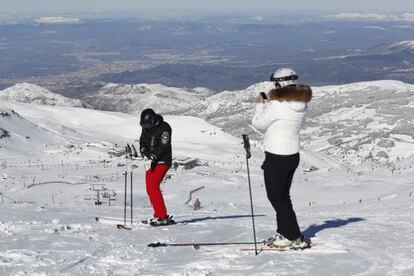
<point x="165" y="138"/>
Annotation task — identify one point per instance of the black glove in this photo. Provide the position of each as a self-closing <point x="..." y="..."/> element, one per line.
<point x="154" y="163"/>
<point x="144" y="152"/>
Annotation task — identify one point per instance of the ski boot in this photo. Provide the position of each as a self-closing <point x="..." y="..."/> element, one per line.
<point x="280" y="242"/>
<point x="148" y="221"/>
<point x="162" y="222"/>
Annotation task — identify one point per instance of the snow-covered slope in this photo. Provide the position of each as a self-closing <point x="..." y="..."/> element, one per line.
<point x="351" y="123"/>
<point x="135" y="98"/>
<point x="78" y="126"/>
<point x="23" y="138"/>
<point x="363" y="121"/>
<point x="231" y="110"/>
<point x="29" y="93"/>
<point x="48" y="227"/>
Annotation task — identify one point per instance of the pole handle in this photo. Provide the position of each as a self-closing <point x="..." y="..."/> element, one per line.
<point x="246" y="144"/>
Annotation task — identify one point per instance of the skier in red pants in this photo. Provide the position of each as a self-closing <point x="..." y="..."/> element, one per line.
<point x="155" y="147"/>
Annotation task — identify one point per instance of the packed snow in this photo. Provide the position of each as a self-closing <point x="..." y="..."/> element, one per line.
<point x="359" y="217"/>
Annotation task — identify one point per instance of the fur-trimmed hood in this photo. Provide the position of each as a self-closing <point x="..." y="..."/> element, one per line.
<point x="296" y="93"/>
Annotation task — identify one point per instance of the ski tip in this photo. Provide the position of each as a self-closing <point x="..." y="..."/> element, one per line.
<point x="120" y="226"/>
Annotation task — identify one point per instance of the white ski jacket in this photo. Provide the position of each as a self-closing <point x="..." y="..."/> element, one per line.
<point x="282" y="118"/>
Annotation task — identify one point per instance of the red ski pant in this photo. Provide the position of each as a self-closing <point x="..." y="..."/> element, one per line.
<point x="153" y="180"/>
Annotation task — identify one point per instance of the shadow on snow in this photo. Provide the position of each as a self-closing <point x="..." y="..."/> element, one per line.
<point x="195" y="220"/>
<point x="335" y="223"/>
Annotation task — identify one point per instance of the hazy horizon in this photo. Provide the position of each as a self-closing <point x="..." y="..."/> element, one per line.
<point x="212" y="6"/>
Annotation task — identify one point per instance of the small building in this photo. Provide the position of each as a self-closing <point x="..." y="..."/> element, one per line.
<point x="117" y="152"/>
<point x="187" y="163"/>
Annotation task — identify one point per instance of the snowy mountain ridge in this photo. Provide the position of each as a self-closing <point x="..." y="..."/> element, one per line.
<point x="371" y="17"/>
<point x="352" y="123"/>
<point x="29" y="93"/>
<point x="394" y="48"/>
<point x="57" y="20"/>
<point x="135" y="98"/>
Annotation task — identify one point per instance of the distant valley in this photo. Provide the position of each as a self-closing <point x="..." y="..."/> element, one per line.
<point x="73" y="57"/>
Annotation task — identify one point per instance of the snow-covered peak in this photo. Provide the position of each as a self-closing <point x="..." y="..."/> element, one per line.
<point x="360" y="87"/>
<point x="134" y="98"/>
<point x="371" y="17"/>
<point x="57" y="20"/>
<point x="29" y="93"/>
<point x="394" y="48"/>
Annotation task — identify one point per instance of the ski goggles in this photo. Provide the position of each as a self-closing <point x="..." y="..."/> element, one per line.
<point x="289" y="78"/>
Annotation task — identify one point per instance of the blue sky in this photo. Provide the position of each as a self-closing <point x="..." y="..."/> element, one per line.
<point x="207" y="5"/>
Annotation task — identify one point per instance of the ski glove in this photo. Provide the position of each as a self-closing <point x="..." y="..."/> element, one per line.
<point x="147" y="164"/>
<point x="153" y="165"/>
<point x="150" y="164"/>
<point x="144" y="152"/>
<point x="153" y="157"/>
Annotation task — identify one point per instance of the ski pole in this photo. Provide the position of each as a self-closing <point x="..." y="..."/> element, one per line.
<point x="125" y="196"/>
<point x="246" y="143"/>
<point x="131" y="200"/>
<point x="160" y="244"/>
<point x="127" y="150"/>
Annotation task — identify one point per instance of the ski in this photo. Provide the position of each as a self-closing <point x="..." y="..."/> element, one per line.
<point x="198" y="245"/>
<point x="152" y="224"/>
<point x="108" y="219"/>
<point x="281" y="249"/>
<point x="121" y="226"/>
<point x="268" y="247"/>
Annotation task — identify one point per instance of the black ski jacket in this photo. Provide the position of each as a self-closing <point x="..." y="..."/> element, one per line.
<point x="155" y="143"/>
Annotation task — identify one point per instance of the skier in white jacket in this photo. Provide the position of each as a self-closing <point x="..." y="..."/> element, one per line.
<point x="281" y="117"/>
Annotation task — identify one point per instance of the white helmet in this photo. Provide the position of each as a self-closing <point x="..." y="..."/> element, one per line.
<point x="284" y="77"/>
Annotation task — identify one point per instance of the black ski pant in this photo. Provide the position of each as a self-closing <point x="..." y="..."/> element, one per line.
<point x="278" y="175"/>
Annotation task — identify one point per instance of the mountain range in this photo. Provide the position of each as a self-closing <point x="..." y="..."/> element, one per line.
<point x="352" y="123"/>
